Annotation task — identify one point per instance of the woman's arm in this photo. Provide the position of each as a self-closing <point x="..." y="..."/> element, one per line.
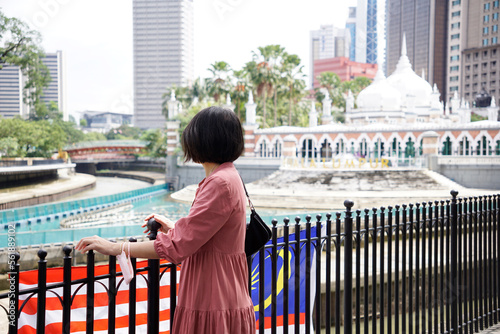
<point x="143" y="250"/>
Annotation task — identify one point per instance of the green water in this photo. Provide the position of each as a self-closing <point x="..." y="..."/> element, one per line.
<point x="47" y="231"/>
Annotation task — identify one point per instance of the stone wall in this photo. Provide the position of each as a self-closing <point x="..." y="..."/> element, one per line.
<point x="469" y="171"/>
<point x="251" y="169"/>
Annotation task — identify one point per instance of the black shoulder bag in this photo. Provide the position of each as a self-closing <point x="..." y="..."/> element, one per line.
<point x="258" y="233"/>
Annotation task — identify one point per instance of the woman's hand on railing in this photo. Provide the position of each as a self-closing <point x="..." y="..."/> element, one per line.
<point x="98" y="244"/>
<point x="166" y="224"/>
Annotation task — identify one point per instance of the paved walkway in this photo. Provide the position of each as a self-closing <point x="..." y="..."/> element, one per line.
<point x="47" y="191"/>
<point x="294" y="198"/>
<point x="151" y="177"/>
<point x="67" y="184"/>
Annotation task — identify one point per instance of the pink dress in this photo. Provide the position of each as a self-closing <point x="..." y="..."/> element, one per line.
<point x="213" y="285"/>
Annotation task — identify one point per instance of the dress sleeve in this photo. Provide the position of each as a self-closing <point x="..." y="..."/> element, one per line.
<point x="210" y="211"/>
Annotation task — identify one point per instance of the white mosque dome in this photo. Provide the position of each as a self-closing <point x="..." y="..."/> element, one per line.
<point x="415" y="90"/>
<point x="379" y="95"/>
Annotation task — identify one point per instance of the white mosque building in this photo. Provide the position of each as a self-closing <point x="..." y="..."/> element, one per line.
<point x="399" y="116"/>
<point x="395" y="118"/>
<point x="404" y="97"/>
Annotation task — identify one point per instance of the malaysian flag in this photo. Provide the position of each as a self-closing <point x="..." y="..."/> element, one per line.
<point x="256" y="275"/>
<point x="54" y="307"/>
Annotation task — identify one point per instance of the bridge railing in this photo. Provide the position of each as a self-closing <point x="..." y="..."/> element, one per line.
<point x="429" y="267"/>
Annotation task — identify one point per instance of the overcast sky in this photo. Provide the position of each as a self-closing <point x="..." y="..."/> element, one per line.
<point x="96" y="38"/>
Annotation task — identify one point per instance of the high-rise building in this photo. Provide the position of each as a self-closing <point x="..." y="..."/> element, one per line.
<point x="345" y="68"/>
<point x="12" y="82"/>
<point x="163" y="55"/>
<point x="456" y="40"/>
<point x="55" y="92"/>
<point x="480" y="49"/>
<point x="366" y="32"/>
<point x="350" y="25"/>
<point x="425" y="24"/>
<point x="328" y="42"/>
<point x="11" y="92"/>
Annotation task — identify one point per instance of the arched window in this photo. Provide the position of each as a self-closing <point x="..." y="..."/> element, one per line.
<point x="263" y="149"/>
<point x="483" y="147"/>
<point x="396" y="150"/>
<point x="326" y="149"/>
<point x="447" y="146"/>
<point x="276" y="151"/>
<point x="307" y="148"/>
<point x="340" y="147"/>
<point x="352" y="150"/>
<point x="363" y="148"/>
<point x="464" y="147"/>
<point x="410" y="148"/>
<point x="379" y="148"/>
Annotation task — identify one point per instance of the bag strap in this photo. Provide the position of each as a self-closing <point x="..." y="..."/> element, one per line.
<point x="250" y="204"/>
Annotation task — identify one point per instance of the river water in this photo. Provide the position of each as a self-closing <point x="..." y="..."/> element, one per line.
<point x="117" y="224"/>
<point x="109" y="186"/>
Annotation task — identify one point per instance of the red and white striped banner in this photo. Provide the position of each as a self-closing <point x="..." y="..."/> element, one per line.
<point x="54" y="307"/>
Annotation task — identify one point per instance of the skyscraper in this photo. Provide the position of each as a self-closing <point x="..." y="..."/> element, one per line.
<point x="12" y="83"/>
<point x="366" y="32"/>
<point x="351" y="26"/>
<point x="371" y="32"/>
<point x="11" y="92"/>
<point x="425" y="24"/>
<point x="56" y="92"/>
<point x="328" y="42"/>
<point x="480" y="49"/>
<point x="163" y="55"/>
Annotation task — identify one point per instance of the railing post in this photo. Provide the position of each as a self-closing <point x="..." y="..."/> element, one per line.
<point x="274" y="270"/>
<point x="112" y="290"/>
<point x="154" y="285"/>
<point x="132" y="296"/>
<point x="308" y="271"/>
<point x="454" y="262"/>
<point x="13" y="298"/>
<point x="66" y="318"/>
<point x="42" y="291"/>
<point x="348" y="268"/>
<point x="296" y="283"/>
<point x="90" y="291"/>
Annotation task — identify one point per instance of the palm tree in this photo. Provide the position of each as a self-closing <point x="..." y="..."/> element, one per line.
<point x="239" y="93"/>
<point x="262" y="71"/>
<point x="257" y="75"/>
<point x="182" y="94"/>
<point x="329" y="81"/>
<point x="355" y="86"/>
<point x="292" y="80"/>
<point x="199" y="89"/>
<point x="219" y="84"/>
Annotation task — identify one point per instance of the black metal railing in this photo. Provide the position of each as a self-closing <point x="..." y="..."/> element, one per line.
<point x="417" y="268"/>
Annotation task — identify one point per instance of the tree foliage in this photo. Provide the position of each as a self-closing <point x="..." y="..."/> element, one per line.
<point x="34" y="139"/>
<point x="157" y="143"/>
<point x="20" y="46"/>
<point x="124" y="132"/>
<point x="276" y="79"/>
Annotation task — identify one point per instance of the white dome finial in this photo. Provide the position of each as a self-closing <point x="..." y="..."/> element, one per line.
<point x="379" y="76"/>
<point x="250" y="97"/>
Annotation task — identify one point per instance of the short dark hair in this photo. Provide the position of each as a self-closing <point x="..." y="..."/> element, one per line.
<point x="213" y="135"/>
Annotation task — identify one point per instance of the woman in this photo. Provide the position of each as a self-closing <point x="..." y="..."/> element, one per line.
<point x="209" y="242"/>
